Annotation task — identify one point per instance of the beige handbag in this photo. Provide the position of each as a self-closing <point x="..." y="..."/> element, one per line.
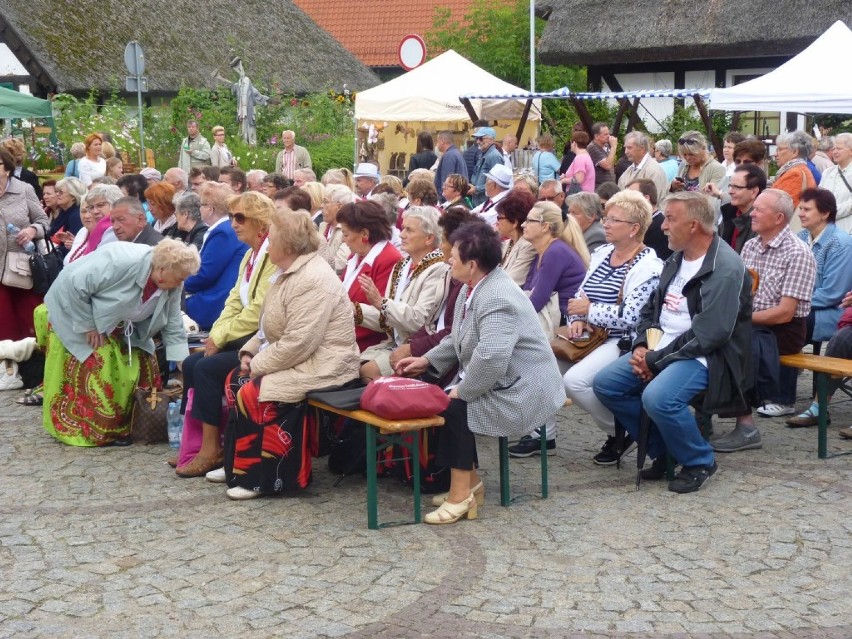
<point x="16" y="272"/>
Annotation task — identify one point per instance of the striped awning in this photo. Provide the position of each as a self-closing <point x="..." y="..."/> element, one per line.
<point x="566" y="93"/>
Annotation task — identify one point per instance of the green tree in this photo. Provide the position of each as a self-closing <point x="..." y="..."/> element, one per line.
<point x="495" y="37"/>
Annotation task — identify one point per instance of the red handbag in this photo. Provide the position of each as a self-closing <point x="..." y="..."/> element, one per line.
<point x="403" y="398"/>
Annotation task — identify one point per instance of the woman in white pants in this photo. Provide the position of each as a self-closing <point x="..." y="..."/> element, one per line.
<point x="621" y="277"/>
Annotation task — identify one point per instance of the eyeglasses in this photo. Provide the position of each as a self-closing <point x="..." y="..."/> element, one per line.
<point x="611" y="220"/>
<point x="100" y="205"/>
<point x="539" y="221"/>
<point x="687" y="141"/>
<point x="501" y="217"/>
<point x="239" y="218"/>
<point x="737" y="187"/>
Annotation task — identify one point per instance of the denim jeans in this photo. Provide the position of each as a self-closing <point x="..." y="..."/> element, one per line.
<point x="665" y="400"/>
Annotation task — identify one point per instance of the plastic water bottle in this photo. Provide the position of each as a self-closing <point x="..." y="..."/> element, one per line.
<point x="29" y="247"/>
<point x="175" y="424"/>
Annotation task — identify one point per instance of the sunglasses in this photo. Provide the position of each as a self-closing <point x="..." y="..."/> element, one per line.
<point x="687" y="141"/>
<point x="239" y="218"/>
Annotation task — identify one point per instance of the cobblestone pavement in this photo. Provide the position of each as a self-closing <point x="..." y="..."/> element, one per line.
<point x="109" y="543"/>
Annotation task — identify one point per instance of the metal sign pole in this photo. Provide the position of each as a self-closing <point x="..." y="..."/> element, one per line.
<point x="134" y="60"/>
<point x="141" y="125"/>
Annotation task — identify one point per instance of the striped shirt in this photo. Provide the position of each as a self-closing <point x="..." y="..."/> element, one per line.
<point x="604" y="284"/>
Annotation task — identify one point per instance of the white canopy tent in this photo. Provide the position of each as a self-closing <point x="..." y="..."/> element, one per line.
<point x="812" y="82"/>
<point x="430" y="93"/>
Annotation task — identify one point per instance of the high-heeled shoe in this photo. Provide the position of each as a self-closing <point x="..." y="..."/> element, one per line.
<point x="450" y="513"/>
<point x="478" y="492"/>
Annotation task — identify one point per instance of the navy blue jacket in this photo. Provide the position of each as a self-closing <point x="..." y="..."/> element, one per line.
<point x="208" y="289"/>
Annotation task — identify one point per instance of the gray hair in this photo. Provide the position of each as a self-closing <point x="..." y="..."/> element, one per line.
<point x="556" y="184"/>
<point x="178" y="173"/>
<point x="428" y="217"/>
<point x="189" y="203"/>
<point x="339" y="193"/>
<point x="446" y="136"/>
<point x="309" y="174"/>
<point x="783" y="203"/>
<point x="588" y="203"/>
<point x="75" y="188"/>
<point x="256" y="173"/>
<point x="664" y="147"/>
<point x="639" y="138"/>
<point x="799" y="142"/>
<point x="698" y="208"/>
<point x="389" y="203"/>
<point x="133" y="204"/>
<point x="78" y="150"/>
<point x="826" y="143"/>
<point x="108" y="192"/>
<point x="104" y="180"/>
<point x="843" y="139"/>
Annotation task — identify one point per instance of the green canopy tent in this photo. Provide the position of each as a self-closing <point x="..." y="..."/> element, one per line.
<point x="20" y="105"/>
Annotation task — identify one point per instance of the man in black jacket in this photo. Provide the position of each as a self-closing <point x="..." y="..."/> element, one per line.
<point x="703" y="309"/>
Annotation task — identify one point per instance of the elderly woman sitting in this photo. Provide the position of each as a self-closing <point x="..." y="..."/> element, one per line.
<point x="160" y="198"/>
<point x="69" y="194"/>
<point x="205" y="373"/>
<point x="507" y="381"/>
<point x="221" y="254"/>
<point x="793" y="176"/>
<point x="518" y="253"/>
<point x="104" y="311"/>
<point x="586" y="209"/>
<point x="336" y="196"/>
<point x="97" y="205"/>
<point x="189" y="222"/>
<point x="698" y="168"/>
<point x="838" y="180"/>
<point x="413" y="293"/>
<point x="621" y="278"/>
<point x="306" y="341"/>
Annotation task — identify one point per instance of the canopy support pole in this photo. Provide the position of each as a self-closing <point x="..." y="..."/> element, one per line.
<point x="633" y="120"/>
<point x="583" y="112"/>
<point x="619" y="116"/>
<point x="523" y="121"/>
<point x="470" y="110"/>
<point x="708" y="126"/>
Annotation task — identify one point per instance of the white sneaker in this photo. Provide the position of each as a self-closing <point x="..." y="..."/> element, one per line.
<point x="238" y="492"/>
<point x="776" y="410"/>
<point x="216" y="476"/>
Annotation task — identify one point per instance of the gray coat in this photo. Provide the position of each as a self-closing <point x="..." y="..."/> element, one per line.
<point x="96" y="293"/>
<point x="512" y="383"/>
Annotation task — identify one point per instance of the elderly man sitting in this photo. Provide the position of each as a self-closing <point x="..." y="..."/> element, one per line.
<point x="643" y="167"/>
<point x="366" y="178"/>
<point x="488" y="158"/>
<point x="414" y="291"/>
<point x="498" y="181"/>
<point x="703" y="308"/>
<point x="786" y="273"/>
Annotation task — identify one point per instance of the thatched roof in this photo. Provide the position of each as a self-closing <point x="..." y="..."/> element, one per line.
<point x="590" y="32"/>
<point x="78" y="45"/>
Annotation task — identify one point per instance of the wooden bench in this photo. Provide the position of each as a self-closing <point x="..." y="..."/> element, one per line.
<point x="392" y="432"/>
<point x="822" y="367"/>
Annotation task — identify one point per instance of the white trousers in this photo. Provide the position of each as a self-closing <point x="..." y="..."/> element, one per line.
<point x="578" y="378"/>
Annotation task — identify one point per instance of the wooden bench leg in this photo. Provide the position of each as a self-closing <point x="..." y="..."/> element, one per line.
<point x="543" y="438"/>
<point x="372" y="480"/>
<point x="505" y="489"/>
<point x="822" y="420"/>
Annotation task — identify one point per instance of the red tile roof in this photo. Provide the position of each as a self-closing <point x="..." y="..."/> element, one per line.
<point x="373" y="29"/>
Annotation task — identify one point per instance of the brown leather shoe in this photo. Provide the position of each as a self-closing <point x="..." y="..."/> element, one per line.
<point x="199" y="465"/>
<point x="846" y="433"/>
<point x="803" y="421"/>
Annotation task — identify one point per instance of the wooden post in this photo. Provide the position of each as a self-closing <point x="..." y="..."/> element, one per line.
<point x="633" y="120"/>
<point x="708" y="126"/>
<point x="523" y="121"/>
<point x="583" y="112"/>
<point x="619" y="115"/>
<point x="470" y="110"/>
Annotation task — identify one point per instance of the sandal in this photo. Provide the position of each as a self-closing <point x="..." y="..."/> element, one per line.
<point x="199" y="466"/>
<point x="30" y="398"/>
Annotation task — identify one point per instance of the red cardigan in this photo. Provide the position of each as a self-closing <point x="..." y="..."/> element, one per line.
<point x="380" y="273"/>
